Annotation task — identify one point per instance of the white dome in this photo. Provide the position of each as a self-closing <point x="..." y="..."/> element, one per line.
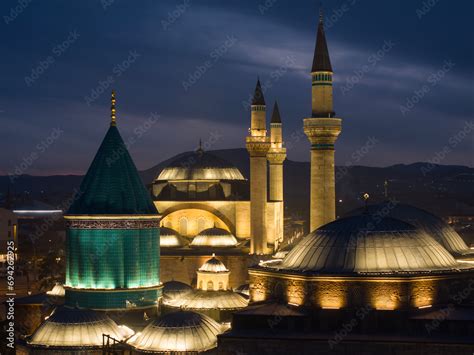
<point x="207" y="300"/>
<point x="169" y="238"/>
<point x="214" y="237"/>
<point x="213" y="265"/>
<point x="178" y="331"/>
<point x="57" y="291"/>
<point x="200" y="165"/>
<point x="363" y="244"/>
<point x="174" y="291"/>
<point x="71" y="327"/>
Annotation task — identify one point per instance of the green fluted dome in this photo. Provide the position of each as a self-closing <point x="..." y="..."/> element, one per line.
<point x="112" y="185"/>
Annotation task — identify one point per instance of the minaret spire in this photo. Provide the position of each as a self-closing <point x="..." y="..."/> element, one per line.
<point x="322" y="129"/>
<point x="276" y="118"/>
<point x="258" y="98"/>
<point x="113" y="117"/>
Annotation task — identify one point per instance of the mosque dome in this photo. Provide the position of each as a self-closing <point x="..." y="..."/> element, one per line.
<point x="368" y="244"/>
<point x="169" y="238"/>
<point x="180" y="331"/>
<point x="200" y="165"/>
<point x="175" y="290"/>
<point x="214" y="237"/>
<point x="442" y="232"/>
<point x="208" y="300"/>
<point x="213" y="265"/>
<point x="76" y="328"/>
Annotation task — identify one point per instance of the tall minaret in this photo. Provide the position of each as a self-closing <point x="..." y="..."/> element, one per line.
<point x="258" y="145"/>
<point x="322" y="129"/>
<point x="276" y="156"/>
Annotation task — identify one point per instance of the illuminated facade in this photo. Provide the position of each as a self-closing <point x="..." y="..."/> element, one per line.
<point x="199" y="191"/>
<point x="322" y="129"/>
<point x="112" y="234"/>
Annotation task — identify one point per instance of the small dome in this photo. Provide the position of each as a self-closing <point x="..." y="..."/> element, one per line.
<point x="367" y="244"/>
<point x="442" y="232"/>
<point x="178" y="331"/>
<point x="214" y="237"/>
<point x="57" y="291"/>
<point x="243" y="289"/>
<point x="200" y="165"/>
<point x="71" y="327"/>
<point x="169" y="238"/>
<point x="213" y="265"/>
<point x="175" y="290"/>
<point x="206" y="300"/>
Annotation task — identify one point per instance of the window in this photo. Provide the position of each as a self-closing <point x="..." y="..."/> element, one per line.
<point x="221" y="285"/>
<point x="210" y="285"/>
<point x="183" y="226"/>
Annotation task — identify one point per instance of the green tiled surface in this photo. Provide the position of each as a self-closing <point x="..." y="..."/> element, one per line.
<point x="112" y="184"/>
<point x="112" y="300"/>
<point x="112" y="258"/>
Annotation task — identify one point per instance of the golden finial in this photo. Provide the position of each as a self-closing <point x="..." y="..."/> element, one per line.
<point x="113" y="118"/>
<point x="366" y="199"/>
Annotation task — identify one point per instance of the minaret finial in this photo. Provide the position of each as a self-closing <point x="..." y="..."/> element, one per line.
<point x="113" y="117"/>
<point x="321" y="14"/>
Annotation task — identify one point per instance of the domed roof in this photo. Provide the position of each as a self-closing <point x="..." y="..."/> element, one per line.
<point x="213" y="265"/>
<point x="431" y="224"/>
<point x="71" y="327"/>
<point x="368" y="244"/>
<point x="175" y="290"/>
<point x="214" y="237"/>
<point x="178" y="331"/>
<point x="169" y="238"/>
<point x="243" y="289"/>
<point x="57" y="291"/>
<point x="205" y="300"/>
<point x="112" y="184"/>
<point x="200" y="165"/>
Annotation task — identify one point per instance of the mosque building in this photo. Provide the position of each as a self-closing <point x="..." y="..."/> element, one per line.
<point x="386" y="271"/>
<point x="207" y="206"/>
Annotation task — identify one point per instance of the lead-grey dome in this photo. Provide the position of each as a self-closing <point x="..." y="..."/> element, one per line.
<point x="200" y="165"/>
<point x="180" y="331"/>
<point x="442" y="232"/>
<point x="368" y="244"/>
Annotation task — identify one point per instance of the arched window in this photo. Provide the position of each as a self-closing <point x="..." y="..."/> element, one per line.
<point x="183" y="226"/>
<point x="210" y="285"/>
<point x="221" y="285"/>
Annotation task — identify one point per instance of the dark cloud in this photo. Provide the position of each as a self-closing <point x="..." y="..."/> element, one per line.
<point x="60" y="60"/>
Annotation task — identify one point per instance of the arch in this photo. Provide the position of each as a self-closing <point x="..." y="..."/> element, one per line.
<point x="221" y="285"/>
<point x="229" y="225"/>
<point x="210" y="285"/>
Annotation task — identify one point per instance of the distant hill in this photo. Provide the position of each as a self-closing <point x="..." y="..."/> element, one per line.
<point x="442" y="189"/>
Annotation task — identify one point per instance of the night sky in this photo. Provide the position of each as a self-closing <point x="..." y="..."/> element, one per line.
<point x="184" y="70"/>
